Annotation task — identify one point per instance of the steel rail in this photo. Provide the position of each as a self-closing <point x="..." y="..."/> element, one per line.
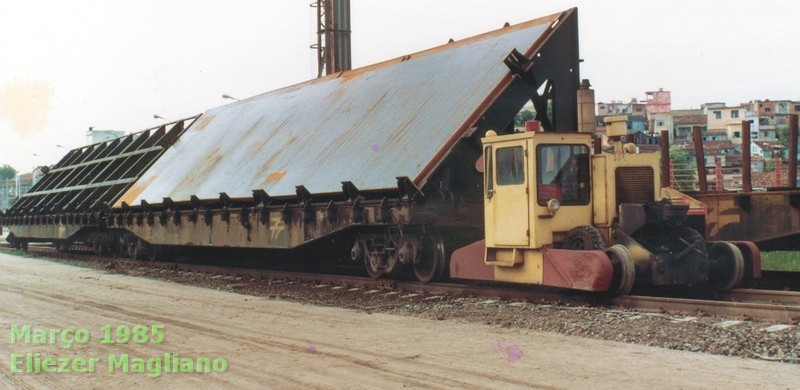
<point x="764" y="296"/>
<point x="781" y="306"/>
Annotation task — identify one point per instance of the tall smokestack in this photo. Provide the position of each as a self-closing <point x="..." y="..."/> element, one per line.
<point x="333" y="36"/>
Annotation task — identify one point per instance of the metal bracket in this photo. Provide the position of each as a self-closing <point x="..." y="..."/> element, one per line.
<point x="386" y="216"/>
<point x="286" y="214"/>
<point x="261" y="198"/>
<point x="409" y="190"/>
<point x="349" y="190"/>
<point x="519" y="65"/>
<point x="208" y="216"/>
<point x="244" y="218"/>
<point x="303" y="195"/>
<point x="264" y="217"/>
<point x="330" y="212"/>
<point x="168" y="203"/>
<point x="226" y="202"/>
<point x="195" y="201"/>
<point x="358" y="211"/>
<point x="308" y="212"/>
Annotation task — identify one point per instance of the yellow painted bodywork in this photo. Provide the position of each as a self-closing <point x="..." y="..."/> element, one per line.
<point x="517" y="226"/>
<point x="604" y="191"/>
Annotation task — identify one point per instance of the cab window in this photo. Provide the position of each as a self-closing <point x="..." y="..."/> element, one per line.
<point x="510" y="166"/>
<point x="562" y="174"/>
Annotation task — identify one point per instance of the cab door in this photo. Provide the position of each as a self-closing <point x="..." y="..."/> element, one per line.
<point x="506" y="199"/>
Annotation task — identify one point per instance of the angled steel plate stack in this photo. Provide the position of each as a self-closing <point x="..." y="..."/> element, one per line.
<point x="367" y="126"/>
<point x="98" y="174"/>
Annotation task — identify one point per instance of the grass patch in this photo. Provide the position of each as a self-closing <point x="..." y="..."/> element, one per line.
<point x="780" y="261"/>
<point x="17" y="252"/>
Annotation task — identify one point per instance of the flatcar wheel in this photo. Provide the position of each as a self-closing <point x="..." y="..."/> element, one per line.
<point x="727" y="265"/>
<point x="134" y="247"/>
<point x="115" y="249"/>
<point x="372" y="268"/>
<point x="97" y="248"/>
<point x="13" y="242"/>
<point x="624" y="269"/>
<point x="431" y="264"/>
<point x="154" y="252"/>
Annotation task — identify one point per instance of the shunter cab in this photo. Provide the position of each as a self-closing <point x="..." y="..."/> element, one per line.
<point x="558" y="215"/>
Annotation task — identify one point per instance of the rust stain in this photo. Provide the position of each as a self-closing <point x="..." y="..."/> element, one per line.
<point x="130" y="195"/>
<point x="276" y="175"/>
<point x="201" y="123"/>
<point x="26" y="105"/>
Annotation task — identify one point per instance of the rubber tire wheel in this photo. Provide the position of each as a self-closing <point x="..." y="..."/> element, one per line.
<point x="624" y="269"/>
<point x="584" y="238"/>
<point x="432" y="264"/>
<point x="730" y="263"/>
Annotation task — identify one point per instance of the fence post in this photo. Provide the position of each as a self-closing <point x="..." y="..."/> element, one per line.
<point x="793" y="151"/>
<point x="700" y="158"/>
<point x="747" y="168"/>
<point x="665" y="160"/>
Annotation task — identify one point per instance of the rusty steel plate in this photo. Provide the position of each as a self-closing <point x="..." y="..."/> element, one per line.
<point x="367" y="126"/>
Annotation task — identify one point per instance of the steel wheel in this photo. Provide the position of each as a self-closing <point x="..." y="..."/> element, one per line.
<point x="624" y="269"/>
<point x="99" y="249"/>
<point x="372" y="268"/>
<point x="728" y="265"/>
<point x="132" y="247"/>
<point x="154" y="252"/>
<point x="431" y="265"/>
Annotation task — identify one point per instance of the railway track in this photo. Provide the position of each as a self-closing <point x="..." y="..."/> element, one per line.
<point x="768" y="305"/>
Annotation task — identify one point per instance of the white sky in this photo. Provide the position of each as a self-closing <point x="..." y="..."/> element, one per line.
<point x="68" y="65"/>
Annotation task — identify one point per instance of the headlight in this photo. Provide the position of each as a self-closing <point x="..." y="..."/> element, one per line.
<point x="553" y="205"/>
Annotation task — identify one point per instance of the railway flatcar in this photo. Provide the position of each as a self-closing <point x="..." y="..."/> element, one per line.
<point x="412" y="163"/>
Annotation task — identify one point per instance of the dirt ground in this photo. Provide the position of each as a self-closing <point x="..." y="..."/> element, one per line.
<point x="270" y="343"/>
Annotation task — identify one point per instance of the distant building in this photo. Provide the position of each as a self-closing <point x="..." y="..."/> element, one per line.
<point x="658" y="102"/>
<point x="662" y="121"/>
<point x="94" y="136"/>
<point x="683" y="122"/>
<point x="769" y="149"/>
<point x="708" y="106"/>
<point x="617" y="107"/>
<point x="715" y="135"/>
<point x="718" y="118"/>
<point x="12" y="189"/>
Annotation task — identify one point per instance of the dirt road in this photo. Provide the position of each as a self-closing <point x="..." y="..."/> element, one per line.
<point x="275" y="344"/>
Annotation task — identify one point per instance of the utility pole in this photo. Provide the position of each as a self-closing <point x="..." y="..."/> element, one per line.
<point x="333" y="36"/>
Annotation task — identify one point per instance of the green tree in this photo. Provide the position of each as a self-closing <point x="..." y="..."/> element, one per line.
<point x="522" y="117"/>
<point x="683" y="171"/>
<point x="7" y="172"/>
<point x="783" y="135"/>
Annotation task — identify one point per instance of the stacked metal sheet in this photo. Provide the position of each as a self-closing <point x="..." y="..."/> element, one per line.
<point x="367" y="126"/>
